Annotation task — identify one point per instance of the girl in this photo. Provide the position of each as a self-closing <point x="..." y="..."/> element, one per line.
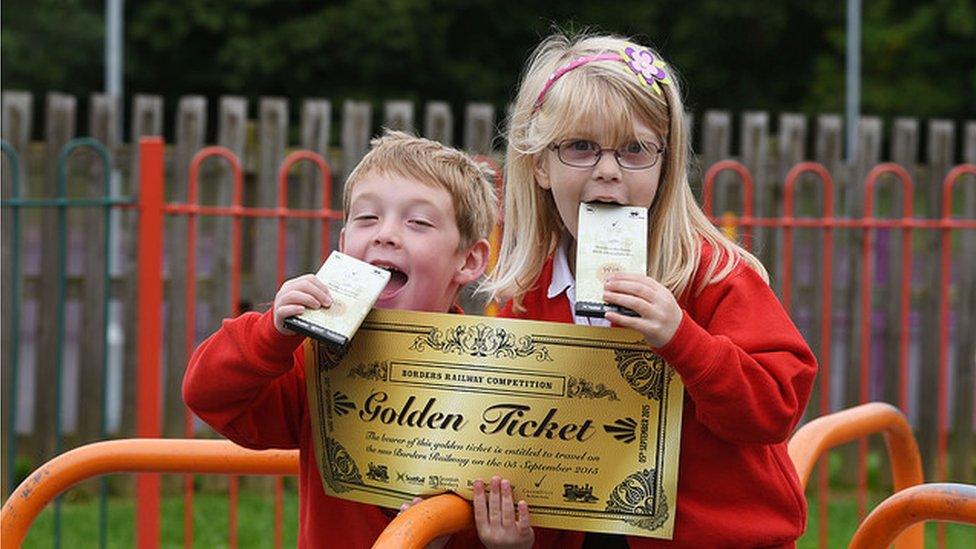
<point x="600" y="118"/>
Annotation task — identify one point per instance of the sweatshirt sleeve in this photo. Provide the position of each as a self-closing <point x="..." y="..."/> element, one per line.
<point x="743" y="362"/>
<point x="247" y="382"/>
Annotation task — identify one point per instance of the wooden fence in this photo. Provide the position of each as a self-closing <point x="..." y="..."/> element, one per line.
<point x="926" y="148"/>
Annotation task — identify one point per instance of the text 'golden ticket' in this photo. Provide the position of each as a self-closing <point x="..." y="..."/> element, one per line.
<point x="584" y="421"/>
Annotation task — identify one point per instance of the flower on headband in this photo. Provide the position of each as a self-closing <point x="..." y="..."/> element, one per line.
<point x="647" y="67"/>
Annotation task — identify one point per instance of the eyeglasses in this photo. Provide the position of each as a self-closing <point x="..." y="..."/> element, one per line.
<point x="582" y="153"/>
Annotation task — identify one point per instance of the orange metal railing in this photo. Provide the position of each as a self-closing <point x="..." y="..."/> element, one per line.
<point x="132" y="456"/>
<point x="448" y="513"/>
<point x="946" y="502"/>
<point x="816" y="438"/>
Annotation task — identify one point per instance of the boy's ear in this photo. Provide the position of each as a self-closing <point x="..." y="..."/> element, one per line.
<point x="541" y="170"/>
<point x="342" y="240"/>
<point x="475" y="263"/>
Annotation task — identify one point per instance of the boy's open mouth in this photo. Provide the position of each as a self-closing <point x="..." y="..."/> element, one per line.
<point x="398" y="279"/>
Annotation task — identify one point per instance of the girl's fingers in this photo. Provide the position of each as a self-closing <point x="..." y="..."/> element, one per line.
<point x="523" y="523"/>
<point x="508" y="506"/>
<point x="646" y="280"/>
<point x="495" y="501"/>
<point x="478" y="502"/>
<point x="632" y="287"/>
<point x="636" y="304"/>
<point x="623" y="321"/>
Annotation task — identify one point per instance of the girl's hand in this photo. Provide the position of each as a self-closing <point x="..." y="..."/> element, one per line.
<point x="498" y="527"/>
<point x="659" y="311"/>
<point x="437" y="543"/>
<point x="295" y="296"/>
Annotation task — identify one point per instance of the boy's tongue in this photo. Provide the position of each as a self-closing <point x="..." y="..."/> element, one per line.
<point x="397" y="280"/>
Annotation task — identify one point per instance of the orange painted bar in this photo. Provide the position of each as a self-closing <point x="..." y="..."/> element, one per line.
<point x="132" y="456"/>
<point x="449" y="513"/>
<point x="812" y="441"/>
<point x="430" y="519"/>
<point x="944" y="502"/>
<point x="149" y="328"/>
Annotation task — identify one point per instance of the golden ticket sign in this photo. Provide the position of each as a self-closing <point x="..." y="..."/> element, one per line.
<point x="585" y="422"/>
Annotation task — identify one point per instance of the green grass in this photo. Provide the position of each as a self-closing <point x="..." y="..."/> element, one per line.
<point x="842" y="521"/>
<point x="256" y="522"/>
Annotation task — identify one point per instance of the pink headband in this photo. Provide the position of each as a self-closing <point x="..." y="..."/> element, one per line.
<point x="648" y="68"/>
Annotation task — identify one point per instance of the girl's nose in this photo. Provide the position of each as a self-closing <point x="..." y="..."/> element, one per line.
<point x="607" y="168"/>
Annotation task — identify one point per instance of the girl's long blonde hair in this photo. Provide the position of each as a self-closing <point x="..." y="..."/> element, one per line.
<point x="607" y="89"/>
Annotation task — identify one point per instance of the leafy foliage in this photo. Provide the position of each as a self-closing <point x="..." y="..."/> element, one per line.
<point x="917" y="58"/>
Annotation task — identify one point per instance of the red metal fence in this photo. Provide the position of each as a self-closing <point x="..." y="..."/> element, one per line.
<point x="154" y="212"/>
<point x="869" y="224"/>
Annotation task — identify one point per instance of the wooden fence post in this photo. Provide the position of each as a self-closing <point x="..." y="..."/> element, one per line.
<point x="59" y="129"/>
<point x="316" y="136"/>
<point x="104" y="126"/>
<point x="17" y="119"/>
<point x="357" y="127"/>
<point x="438" y="122"/>
<point x="398" y="115"/>
<point x="754" y="144"/>
<point x="273" y="139"/>
<point x="964" y="272"/>
<point x="232" y="134"/>
<point x="717" y="145"/>
<point x="941" y="147"/>
<point x="479" y="128"/>
<point x="904" y="152"/>
<point x="792" y="151"/>
<point x="191" y="131"/>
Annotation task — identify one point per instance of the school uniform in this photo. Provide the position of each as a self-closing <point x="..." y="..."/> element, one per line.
<point x="748" y="374"/>
<point x="247" y="381"/>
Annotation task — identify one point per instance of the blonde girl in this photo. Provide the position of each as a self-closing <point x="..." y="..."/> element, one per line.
<point x="601" y="119"/>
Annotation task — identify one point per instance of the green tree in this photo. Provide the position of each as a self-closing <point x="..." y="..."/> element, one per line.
<point x="918" y="58"/>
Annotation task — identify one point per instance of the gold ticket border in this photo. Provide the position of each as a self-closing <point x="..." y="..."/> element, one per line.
<point x="343" y="474"/>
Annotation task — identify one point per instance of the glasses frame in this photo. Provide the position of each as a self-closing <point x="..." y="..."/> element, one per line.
<point x="658" y="151"/>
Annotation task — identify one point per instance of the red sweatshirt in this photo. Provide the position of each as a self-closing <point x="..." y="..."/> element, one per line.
<point x="247" y="381"/>
<point x="748" y="374"/>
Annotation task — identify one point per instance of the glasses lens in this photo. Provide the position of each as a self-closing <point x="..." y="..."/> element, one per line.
<point x="579" y="152"/>
<point x="637" y="155"/>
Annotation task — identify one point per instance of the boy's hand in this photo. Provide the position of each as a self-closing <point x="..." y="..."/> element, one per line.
<point x="437" y="543"/>
<point x="296" y="295"/>
<point x="659" y="311"/>
<point x="498" y="527"/>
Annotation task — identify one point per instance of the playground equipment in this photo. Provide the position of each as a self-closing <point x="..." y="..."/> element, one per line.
<point x="898" y="518"/>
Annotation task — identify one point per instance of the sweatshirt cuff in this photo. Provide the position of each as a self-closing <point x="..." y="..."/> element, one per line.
<point x="689" y="351"/>
<point x="271" y="344"/>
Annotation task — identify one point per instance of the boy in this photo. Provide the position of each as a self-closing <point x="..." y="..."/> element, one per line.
<point x="413" y="206"/>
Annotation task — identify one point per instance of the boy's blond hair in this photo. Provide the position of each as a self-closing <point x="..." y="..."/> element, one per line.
<point x="470" y="183"/>
<point x="608" y="90"/>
